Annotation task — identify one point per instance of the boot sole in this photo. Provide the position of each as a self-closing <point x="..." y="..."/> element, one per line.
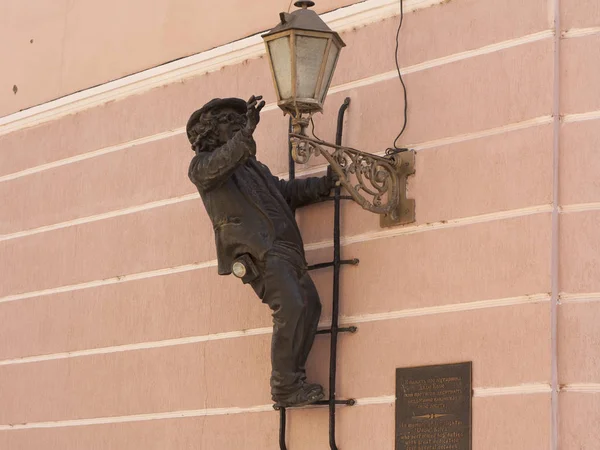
<point x="309" y="401"/>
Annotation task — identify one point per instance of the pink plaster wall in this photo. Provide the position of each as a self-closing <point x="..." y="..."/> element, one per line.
<point x="83" y="43"/>
<point x="483" y="231"/>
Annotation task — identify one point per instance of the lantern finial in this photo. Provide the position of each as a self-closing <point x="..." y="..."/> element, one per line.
<point x="304" y="4"/>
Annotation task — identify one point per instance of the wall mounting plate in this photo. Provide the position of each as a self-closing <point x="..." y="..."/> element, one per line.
<point x="405" y="212"/>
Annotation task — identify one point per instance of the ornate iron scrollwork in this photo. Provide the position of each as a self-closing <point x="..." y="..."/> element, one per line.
<point x="371" y="180"/>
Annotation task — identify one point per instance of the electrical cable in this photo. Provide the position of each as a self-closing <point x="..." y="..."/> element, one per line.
<point x="395" y="148"/>
<point x="312" y="122"/>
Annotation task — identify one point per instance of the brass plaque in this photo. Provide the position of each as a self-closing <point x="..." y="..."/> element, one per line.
<point x="433" y="407"/>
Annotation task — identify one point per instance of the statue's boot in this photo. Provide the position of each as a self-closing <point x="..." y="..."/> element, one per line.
<point x="305" y="395"/>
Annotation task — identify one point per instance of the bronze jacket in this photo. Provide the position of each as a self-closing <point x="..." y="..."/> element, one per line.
<point x="238" y="214"/>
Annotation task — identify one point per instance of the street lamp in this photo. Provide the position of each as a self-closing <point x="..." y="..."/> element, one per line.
<point x="303" y="52"/>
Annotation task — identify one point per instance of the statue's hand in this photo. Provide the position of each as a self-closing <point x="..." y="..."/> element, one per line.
<point x="253" y="112"/>
<point x="332" y="178"/>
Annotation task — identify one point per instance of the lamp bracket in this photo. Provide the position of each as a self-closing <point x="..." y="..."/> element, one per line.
<point x="376" y="183"/>
<point x="404" y="212"/>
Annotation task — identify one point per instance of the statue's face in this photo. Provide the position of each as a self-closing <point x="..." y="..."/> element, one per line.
<point x="230" y="122"/>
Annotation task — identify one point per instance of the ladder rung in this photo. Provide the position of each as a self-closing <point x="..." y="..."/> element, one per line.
<point x="349" y="402"/>
<point x="351" y="329"/>
<point x="352" y="262"/>
<point x="330" y="199"/>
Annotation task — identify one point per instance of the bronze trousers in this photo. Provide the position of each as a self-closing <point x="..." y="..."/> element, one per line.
<point x="291" y="294"/>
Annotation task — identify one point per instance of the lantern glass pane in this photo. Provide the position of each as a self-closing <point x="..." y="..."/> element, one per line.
<point x="310" y="52"/>
<point x="328" y="75"/>
<point x="281" y="59"/>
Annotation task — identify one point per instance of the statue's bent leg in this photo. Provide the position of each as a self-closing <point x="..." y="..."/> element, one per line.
<point x="313" y="314"/>
<point x="284" y="294"/>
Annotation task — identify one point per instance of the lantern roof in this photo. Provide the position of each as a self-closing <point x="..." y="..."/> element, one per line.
<point x="302" y="19"/>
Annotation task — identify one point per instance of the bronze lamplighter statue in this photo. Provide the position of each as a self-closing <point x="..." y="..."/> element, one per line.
<point x="256" y="234"/>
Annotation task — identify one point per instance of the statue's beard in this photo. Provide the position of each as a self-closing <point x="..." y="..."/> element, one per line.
<point x="213" y="141"/>
<point x="234" y="130"/>
<point x="207" y="145"/>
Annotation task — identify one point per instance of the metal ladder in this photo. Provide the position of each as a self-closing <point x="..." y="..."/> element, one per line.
<point x="334" y="330"/>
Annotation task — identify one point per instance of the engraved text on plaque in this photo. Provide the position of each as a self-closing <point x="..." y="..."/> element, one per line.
<point x="433" y="407"/>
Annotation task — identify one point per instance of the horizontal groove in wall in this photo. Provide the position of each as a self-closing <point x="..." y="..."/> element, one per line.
<point x="139" y="346"/>
<point x="111" y="280"/>
<point x="103" y="216"/>
<point x="524" y="389"/>
<point x="452" y="223"/>
<point x="466" y="137"/>
<point x="535" y="122"/>
<point x="580" y="32"/>
<point x="365" y="237"/>
<point x="538" y="121"/>
<point x="530" y="123"/>
<point x="444" y="309"/>
<point x="93" y="154"/>
<point x="589" y="388"/>
<point x="586" y="297"/>
<point x="581" y="117"/>
<point x="272" y="106"/>
<point x="380" y="400"/>
<point x="344" y="320"/>
<point x="580" y="207"/>
<point x="139" y="418"/>
<point x="531" y="389"/>
<point x="340" y="20"/>
<point x="456" y="57"/>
